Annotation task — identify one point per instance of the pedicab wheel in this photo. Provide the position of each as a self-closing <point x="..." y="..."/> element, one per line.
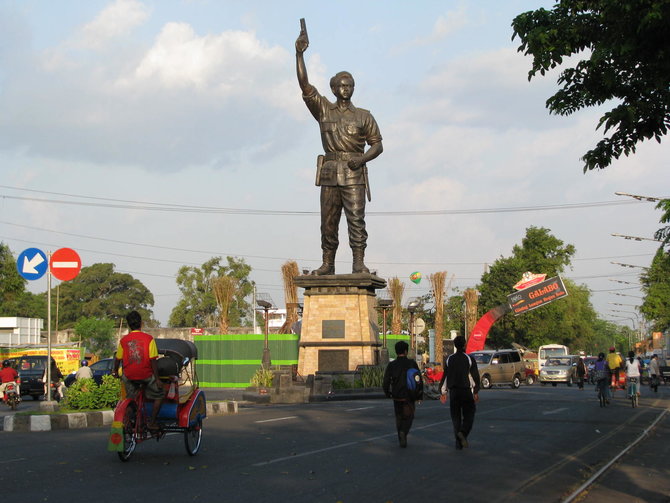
<point x="193" y="438"/>
<point x="129" y="440"/>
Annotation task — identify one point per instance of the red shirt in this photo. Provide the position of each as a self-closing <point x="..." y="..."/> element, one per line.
<point x="136" y="350"/>
<point x="8" y="374"/>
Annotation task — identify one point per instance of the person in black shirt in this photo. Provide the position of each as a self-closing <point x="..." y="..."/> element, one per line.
<point x="395" y="386"/>
<point x="461" y="379"/>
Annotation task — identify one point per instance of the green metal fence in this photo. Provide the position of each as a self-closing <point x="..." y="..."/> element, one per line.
<point x="230" y="361"/>
<point x="391" y="340"/>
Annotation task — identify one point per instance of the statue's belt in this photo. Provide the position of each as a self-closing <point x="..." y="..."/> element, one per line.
<point x="342" y="156"/>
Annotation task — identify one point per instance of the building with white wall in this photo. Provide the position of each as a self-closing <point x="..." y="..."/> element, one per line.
<point x="20" y="331"/>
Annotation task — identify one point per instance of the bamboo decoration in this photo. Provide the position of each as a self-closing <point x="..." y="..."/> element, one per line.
<point x="471" y="300"/>
<point x="396" y="288"/>
<point x="225" y="288"/>
<point x="437" y="281"/>
<point x="289" y="272"/>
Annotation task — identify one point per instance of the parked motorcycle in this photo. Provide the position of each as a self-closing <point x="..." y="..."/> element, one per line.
<point x="12" y="397"/>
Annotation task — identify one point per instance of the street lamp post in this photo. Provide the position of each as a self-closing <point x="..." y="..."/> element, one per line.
<point x="384" y="305"/>
<point x="412" y="307"/>
<point x="264" y="301"/>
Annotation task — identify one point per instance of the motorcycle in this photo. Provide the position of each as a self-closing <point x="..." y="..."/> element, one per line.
<point x="55" y="391"/>
<point x="432" y="378"/>
<point x="12" y="397"/>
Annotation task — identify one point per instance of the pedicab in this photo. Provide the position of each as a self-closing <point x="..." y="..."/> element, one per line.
<point x="183" y="409"/>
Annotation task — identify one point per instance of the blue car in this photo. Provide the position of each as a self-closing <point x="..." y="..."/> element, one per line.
<point x="100" y="368"/>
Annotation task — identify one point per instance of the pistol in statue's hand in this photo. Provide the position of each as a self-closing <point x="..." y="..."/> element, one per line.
<point x="302" y="43"/>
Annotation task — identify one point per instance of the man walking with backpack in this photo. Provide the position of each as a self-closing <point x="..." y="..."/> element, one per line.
<point x="402" y="382"/>
<point x="461" y="382"/>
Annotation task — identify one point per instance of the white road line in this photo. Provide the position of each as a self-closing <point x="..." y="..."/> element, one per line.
<point x="365" y="440"/>
<point x="359" y="408"/>
<point x="276" y="419"/>
<point x="555" y="411"/>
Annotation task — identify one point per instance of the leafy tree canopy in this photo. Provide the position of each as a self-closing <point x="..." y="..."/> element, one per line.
<point x="97" y="335"/>
<point x="656" y="288"/>
<point x="567" y="321"/>
<point x="625" y="57"/>
<point x="663" y="234"/>
<point x="197" y="306"/>
<point x="101" y="293"/>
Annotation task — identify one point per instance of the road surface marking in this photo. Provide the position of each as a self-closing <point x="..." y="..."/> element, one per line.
<point x="276" y="419"/>
<point x="365" y="440"/>
<point x="359" y="408"/>
<point x="555" y="411"/>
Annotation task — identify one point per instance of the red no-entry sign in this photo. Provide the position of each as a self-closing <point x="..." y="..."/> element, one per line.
<point x="65" y="264"/>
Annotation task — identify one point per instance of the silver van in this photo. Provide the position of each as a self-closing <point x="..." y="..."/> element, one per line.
<point x="559" y="369"/>
<point x="501" y="366"/>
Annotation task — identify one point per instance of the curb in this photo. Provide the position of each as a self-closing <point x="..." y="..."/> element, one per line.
<point x="81" y="420"/>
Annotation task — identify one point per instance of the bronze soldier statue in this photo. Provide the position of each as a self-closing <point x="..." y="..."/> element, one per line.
<point x="342" y="171"/>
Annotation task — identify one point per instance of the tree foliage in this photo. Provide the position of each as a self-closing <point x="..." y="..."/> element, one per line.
<point x="569" y="321"/>
<point x="101" y="293"/>
<point x="623" y="46"/>
<point x="663" y="234"/>
<point x="656" y="287"/>
<point x="197" y="306"/>
<point x="15" y="300"/>
<point x="97" y="335"/>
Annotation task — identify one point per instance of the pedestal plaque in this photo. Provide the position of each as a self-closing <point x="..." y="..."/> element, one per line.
<point x="339" y="322"/>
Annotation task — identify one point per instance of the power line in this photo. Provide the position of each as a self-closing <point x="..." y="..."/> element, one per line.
<point x="217" y="253"/>
<point x="153" y="206"/>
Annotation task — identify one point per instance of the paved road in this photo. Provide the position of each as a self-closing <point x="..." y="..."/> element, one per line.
<point x="27" y="404"/>
<point x="532" y="444"/>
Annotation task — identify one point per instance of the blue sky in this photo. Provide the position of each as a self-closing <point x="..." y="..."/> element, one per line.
<point x="196" y="104"/>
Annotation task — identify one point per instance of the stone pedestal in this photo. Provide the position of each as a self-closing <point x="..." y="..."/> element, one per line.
<point x="339" y="322"/>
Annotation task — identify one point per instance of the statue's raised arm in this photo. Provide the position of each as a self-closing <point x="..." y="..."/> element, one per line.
<point x="301" y="45"/>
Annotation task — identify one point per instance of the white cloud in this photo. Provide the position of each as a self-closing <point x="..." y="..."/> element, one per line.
<point x="116" y="20"/>
<point x="230" y="62"/>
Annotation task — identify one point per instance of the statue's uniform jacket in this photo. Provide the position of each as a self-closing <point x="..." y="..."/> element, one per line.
<point x="344" y="134"/>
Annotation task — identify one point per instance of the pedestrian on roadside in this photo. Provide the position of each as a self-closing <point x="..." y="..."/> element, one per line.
<point x="581" y="372"/>
<point x="84" y="371"/>
<point x="654" y="372"/>
<point x="460" y="383"/>
<point x="395" y="387"/>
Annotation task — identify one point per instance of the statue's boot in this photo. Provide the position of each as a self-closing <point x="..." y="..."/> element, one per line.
<point x="359" y="266"/>
<point x="328" y="266"/>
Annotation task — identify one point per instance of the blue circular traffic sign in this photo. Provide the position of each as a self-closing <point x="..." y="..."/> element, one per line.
<point x="32" y="264"/>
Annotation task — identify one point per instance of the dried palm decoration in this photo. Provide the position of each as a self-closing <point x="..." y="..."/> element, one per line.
<point x="396" y="288"/>
<point x="471" y="300"/>
<point x="289" y="272"/>
<point x="224" y="288"/>
<point x="437" y="281"/>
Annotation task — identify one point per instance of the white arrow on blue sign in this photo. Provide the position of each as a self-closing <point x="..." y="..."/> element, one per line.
<point x="32" y="264"/>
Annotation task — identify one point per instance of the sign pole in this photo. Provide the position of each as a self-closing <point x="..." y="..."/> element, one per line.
<point x="48" y="373"/>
